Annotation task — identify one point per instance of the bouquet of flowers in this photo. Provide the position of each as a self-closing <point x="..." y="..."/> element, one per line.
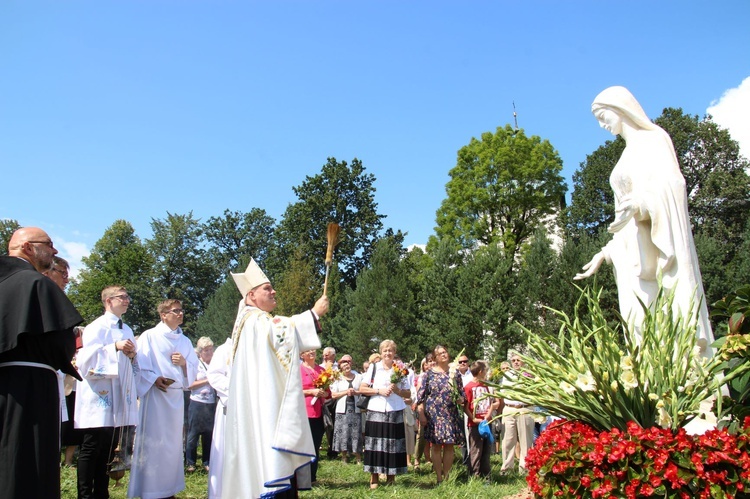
<point x="400" y="372"/>
<point x="324" y="379"/>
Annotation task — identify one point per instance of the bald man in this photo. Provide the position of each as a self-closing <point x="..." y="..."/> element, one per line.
<point x="36" y="339"/>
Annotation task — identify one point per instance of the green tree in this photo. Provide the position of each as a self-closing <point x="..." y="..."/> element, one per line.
<point x="502" y="187"/>
<point x="299" y="286"/>
<point x="383" y="305"/>
<point x="715" y="176"/>
<point x="7" y="228"/>
<point x="340" y="193"/>
<point x="182" y="269"/>
<point x="217" y="319"/>
<point x="592" y="204"/>
<point x="236" y="235"/>
<point x="118" y="258"/>
<point x="534" y="293"/>
<point x="466" y="300"/>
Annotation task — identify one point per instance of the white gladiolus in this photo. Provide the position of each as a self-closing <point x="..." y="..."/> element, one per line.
<point x="567" y="388"/>
<point x="629" y="380"/>
<point x="586" y="382"/>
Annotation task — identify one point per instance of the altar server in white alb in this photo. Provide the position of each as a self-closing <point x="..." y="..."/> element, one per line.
<point x="157" y="470"/>
<point x="267" y="436"/>
<point x="218" y="377"/>
<point x="106" y="398"/>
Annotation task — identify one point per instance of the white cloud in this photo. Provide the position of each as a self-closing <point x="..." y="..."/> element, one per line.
<point x="731" y="111"/>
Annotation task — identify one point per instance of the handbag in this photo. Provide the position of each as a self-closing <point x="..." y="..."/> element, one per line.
<point x="364" y="400"/>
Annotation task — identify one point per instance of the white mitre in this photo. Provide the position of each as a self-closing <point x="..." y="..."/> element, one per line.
<point x="250" y="279"/>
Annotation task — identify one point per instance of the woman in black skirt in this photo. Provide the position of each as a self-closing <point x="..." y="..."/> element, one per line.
<point x="385" y="442"/>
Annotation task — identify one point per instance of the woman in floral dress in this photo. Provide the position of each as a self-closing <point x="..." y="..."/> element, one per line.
<point x="440" y="404"/>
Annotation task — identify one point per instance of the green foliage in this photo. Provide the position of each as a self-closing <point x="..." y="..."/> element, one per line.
<point x="467" y="300"/>
<point x="238" y="235"/>
<point x="735" y="310"/>
<point x="7" y="228"/>
<point x="501" y="188"/>
<point x="715" y="174"/>
<point x="340" y="193"/>
<point x="182" y="269"/>
<point x="218" y="317"/>
<point x="300" y="285"/>
<point x="118" y="257"/>
<point x="534" y="289"/>
<point x="584" y="374"/>
<point x="383" y="306"/>
<point x="592" y="206"/>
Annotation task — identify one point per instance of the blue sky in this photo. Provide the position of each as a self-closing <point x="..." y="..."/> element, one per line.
<point x="132" y="109"/>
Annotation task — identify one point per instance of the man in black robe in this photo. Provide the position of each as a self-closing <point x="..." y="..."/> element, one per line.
<point x="36" y="339"/>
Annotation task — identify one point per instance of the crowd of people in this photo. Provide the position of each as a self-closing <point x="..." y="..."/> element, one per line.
<point x="260" y="403"/>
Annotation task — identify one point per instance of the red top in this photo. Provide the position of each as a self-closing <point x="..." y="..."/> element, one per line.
<point x="474" y="390"/>
<point x="308" y="382"/>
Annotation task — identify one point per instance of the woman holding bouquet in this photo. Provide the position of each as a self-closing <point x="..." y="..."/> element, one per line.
<point x="440" y="402"/>
<point x="315" y="392"/>
<point x="385" y="441"/>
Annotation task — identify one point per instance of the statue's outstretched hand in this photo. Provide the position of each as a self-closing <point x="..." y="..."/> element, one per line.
<point x="592" y="267"/>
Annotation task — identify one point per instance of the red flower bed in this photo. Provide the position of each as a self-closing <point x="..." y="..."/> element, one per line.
<point x="571" y="459"/>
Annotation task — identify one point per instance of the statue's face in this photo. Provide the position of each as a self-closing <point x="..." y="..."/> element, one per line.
<point x="609" y="120"/>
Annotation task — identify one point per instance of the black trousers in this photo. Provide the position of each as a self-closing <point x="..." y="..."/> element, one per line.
<point x="94" y="455"/>
<point x="317" y="429"/>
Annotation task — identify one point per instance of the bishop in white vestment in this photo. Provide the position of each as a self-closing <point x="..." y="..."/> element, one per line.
<point x="267" y="436"/>
<point x="157" y="470"/>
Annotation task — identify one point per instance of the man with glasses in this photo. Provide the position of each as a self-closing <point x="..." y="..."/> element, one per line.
<point x="59" y="272"/>
<point x="466" y="378"/>
<point x="173" y="365"/>
<point x="36" y="339"/>
<point x="518" y="422"/>
<point x="106" y="398"/>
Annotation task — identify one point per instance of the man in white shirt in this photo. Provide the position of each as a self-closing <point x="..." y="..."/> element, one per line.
<point x="157" y="469"/>
<point x="466" y="378"/>
<point x="518" y="423"/>
<point x="106" y="398"/>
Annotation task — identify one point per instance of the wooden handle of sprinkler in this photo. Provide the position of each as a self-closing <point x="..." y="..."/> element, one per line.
<point x="325" y="283"/>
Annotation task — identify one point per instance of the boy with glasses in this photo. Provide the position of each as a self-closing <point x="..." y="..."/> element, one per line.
<point x="106" y="398"/>
<point x="173" y="365"/>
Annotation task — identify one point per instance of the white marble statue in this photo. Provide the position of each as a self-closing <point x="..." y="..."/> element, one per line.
<point x="651" y="233"/>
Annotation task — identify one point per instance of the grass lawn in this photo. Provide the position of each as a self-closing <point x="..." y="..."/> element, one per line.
<point x="339" y="480"/>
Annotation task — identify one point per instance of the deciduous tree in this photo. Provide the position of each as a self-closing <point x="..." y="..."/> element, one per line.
<point x="118" y="258"/>
<point x="7" y="228"/>
<point x="236" y="235"/>
<point x="340" y="193"/>
<point x="502" y="187"/>
<point x="182" y="269"/>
